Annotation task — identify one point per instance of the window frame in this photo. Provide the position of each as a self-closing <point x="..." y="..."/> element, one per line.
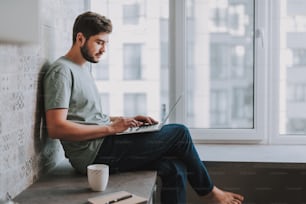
<point x="178" y="78"/>
<point x="266" y="79"/>
<point x="274" y="97"/>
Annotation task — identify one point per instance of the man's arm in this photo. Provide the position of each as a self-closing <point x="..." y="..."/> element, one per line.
<point x="60" y="128"/>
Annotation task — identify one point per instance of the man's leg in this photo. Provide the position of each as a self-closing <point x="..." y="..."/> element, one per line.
<point x="137" y="151"/>
<point x="173" y="177"/>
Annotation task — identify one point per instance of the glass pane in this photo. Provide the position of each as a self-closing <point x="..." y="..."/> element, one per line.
<point x="132" y="61"/>
<point x="220" y="63"/>
<point x="135" y="104"/>
<point x="131" y="13"/>
<point x="133" y="75"/>
<point x="293" y="67"/>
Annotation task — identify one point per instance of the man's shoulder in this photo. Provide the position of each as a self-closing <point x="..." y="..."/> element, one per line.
<point x="60" y="66"/>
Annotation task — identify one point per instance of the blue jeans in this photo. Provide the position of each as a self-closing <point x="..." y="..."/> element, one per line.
<point x="170" y="151"/>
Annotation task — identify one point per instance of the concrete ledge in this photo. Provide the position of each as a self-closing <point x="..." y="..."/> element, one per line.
<point x="65" y="185"/>
<point x="252" y="153"/>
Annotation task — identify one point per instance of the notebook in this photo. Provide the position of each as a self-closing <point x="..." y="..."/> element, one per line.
<point x="121" y="197"/>
<point x="151" y="128"/>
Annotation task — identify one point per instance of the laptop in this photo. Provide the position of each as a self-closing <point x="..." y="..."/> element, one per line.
<point x="151" y="128"/>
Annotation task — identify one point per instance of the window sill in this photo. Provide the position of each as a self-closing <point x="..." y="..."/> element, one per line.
<point x="252" y="153"/>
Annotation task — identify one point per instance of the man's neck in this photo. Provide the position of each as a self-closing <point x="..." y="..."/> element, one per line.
<point x="76" y="57"/>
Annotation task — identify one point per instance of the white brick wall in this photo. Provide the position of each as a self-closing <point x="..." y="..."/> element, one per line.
<point x="25" y="150"/>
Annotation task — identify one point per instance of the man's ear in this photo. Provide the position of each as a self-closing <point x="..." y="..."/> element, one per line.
<point x="80" y="39"/>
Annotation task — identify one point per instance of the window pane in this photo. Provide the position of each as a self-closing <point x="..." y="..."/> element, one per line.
<point x="220" y="64"/>
<point x="293" y="67"/>
<point x="131" y="13"/>
<point x="135" y="77"/>
<point x="132" y="61"/>
<point x="135" y="104"/>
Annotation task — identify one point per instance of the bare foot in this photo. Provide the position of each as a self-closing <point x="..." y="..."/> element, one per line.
<point x="218" y="196"/>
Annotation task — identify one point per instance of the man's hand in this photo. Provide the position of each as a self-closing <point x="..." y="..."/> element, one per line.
<point x="120" y="124"/>
<point x="145" y="120"/>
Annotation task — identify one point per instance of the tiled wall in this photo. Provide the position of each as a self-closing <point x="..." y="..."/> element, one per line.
<point x="25" y="150"/>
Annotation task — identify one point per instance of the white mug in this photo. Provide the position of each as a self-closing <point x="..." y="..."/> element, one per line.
<point x="98" y="175"/>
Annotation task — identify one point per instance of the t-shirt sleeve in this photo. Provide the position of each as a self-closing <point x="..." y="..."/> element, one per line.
<point x="57" y="89"/>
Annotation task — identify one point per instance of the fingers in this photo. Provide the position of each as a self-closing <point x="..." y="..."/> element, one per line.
<point x="146" y="120"/>
<point x="152" y="121"/>
<point x="133" y="123"/>
<point x="127" y="122"/>
<point x="236" y="202"/>
<point x="238" y="197"/>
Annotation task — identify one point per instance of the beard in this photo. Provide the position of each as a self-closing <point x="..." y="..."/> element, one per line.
<point x="85" y="53"/>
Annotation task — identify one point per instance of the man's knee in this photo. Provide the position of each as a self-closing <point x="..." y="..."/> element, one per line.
<point x="179" y="129"/>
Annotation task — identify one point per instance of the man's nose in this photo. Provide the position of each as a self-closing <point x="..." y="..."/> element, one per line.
<point x="103" y="48"/>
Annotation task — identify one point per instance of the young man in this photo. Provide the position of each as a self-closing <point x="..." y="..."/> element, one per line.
<point x="74" y="115"/>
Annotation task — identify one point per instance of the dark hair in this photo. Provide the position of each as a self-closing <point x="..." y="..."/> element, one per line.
<point x="90" y="23"/>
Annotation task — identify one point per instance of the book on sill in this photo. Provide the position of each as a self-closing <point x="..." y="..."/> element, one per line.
<point x="121" y="197"/>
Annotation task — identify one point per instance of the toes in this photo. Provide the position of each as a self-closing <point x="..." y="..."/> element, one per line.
<point x="238" y="197"/>
<point x="236" y="202"/>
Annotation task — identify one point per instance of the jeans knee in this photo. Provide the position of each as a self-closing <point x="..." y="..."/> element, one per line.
<point x="180" y="129"/>
<point x="184" y="132"/>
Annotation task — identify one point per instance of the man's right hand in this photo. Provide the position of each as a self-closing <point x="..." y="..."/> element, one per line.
<point x="120" y="124"/>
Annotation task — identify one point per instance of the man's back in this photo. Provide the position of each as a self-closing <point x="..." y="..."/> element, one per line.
<point x="70" y="86"/>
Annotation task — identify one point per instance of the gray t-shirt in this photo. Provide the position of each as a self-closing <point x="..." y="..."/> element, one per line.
<point x="68" y="85"/>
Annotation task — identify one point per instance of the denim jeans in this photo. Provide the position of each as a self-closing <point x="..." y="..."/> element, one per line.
<point x="170" y="151"/>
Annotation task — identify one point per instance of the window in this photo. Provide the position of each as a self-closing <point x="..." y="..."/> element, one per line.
<point x="134" y="11"/>
<point x="219" y="105"/>
<point x="298" y="56"/>
<point x="292" y="68"/>
<point x="240" y="65"/>
<point x="131" y="13"/>
<point x="218" y="58"/>
<point x="221" y="66"/>
<point x="132" y="61"/>
<point x="134" y="73"/>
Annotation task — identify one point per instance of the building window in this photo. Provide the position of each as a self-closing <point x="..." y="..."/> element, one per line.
<point x="131" y="13"/>
<point x="242" y="101"/>
<point x="132" y="61"/>
<point x="299" y="57"/>
<point x="219" y="109"/>
<point x="219" y="60"/>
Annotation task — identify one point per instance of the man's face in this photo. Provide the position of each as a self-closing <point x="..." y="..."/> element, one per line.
<point x="94" y="47"/>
